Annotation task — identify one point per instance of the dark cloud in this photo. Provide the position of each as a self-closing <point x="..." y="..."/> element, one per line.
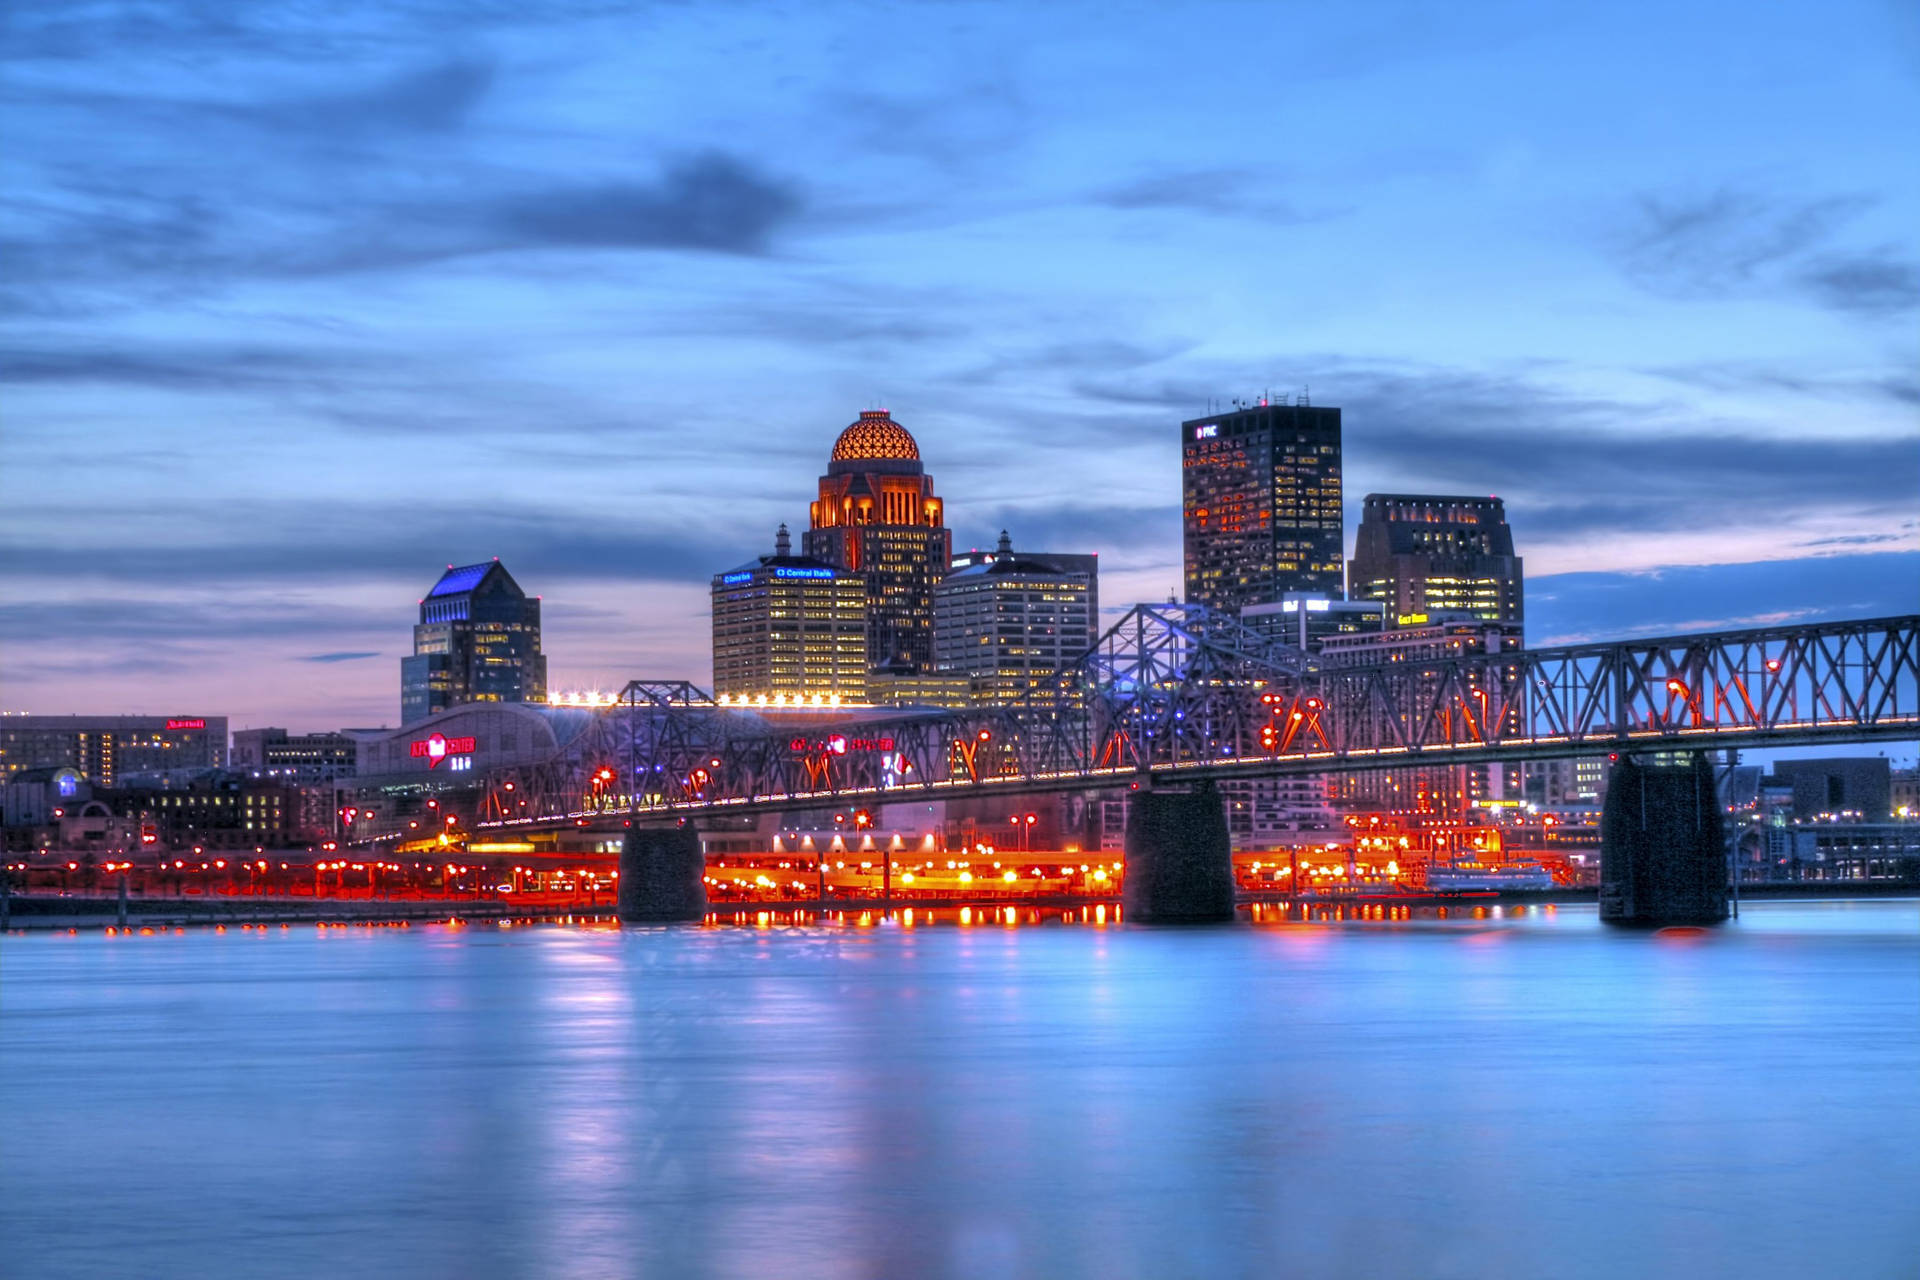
<point x="173" y="367"/>
<point x="712" y="202"/>
<point x="1570" y="608"/>
<point x="1881" y="285"/>
<point x="1074" y="528"/>
<point x="1773" y="378"/>
<point x="378" y="543"/>
<point x="1732" y="242"/>
<point x="1223" y="192"/>
<point x="348" y="655"/>
<point x="1567" y="463"/>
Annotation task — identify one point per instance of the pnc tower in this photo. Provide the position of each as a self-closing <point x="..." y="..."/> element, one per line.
<point x="1260" y="505"/>
<point x="877" y="515"/>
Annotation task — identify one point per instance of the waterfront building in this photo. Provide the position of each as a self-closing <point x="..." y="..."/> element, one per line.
<point x="1859" y="787"/>
<point x="213" y="810"/>
<point x="103" y="749"/>
<point x="1260" y="504"/>
<point x="878" y="516"/>
<point x="305" y="757"/>
<point x="1430" y="556"/>
<point x="790" y="626"/>
<point x="1305" y="619"/>
<point x="1005" y="621"/>
<point x="478" y="640"/>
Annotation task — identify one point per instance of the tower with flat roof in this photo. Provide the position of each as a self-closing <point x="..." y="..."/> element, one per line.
<point x="1260" y="504"/>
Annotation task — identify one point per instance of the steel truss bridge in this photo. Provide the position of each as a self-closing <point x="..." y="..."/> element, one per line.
<point x="1175" y="691"/>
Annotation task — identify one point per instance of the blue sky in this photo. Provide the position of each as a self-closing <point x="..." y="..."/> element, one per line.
<point x="302" y="302"/>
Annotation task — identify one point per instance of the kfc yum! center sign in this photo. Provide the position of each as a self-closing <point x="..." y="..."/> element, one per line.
<point x="437" y="747"/>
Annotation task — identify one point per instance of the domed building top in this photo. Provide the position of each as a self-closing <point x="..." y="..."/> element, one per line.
<point x="874" y="443"/>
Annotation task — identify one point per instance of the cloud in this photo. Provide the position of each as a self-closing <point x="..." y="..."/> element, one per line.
<point x="712" y="202"/>
<point x="349" y="655"/>
<point x="1220" y="192"/>
<point x="1731" y="242"/>
<point x="1575" y="608"/>
<point x="1880" y="285"/>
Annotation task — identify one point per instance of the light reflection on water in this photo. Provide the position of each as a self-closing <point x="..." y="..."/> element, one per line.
<point x="1497" y="1091"/>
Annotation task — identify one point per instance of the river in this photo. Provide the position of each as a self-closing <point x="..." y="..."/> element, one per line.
<point x="1525" y="1094"/>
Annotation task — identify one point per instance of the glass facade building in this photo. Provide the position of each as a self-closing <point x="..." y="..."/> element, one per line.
<point x="877" y="515"/>
<point x="1431" y="556"/>
<point x="790" y="627"/>
<point x="1260" y="504"/>
<point x="478" y="640"/>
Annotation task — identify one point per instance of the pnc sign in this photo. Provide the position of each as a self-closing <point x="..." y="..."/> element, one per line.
<point x="1210" y="431"/>
<point x="437" y="748"/>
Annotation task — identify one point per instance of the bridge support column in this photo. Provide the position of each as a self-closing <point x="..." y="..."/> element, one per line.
<point x="662" y="876"/>
<point x="1179" y="861"/>
<point x="1663" y="856"/>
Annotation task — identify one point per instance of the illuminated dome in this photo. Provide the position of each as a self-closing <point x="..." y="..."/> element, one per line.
<point x="874" y="438"/>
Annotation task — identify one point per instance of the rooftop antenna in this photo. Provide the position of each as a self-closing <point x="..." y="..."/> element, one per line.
<point x="1303" y="395"/>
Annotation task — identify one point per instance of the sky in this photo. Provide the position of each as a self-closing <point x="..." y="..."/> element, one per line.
<point x="300" y="303"/>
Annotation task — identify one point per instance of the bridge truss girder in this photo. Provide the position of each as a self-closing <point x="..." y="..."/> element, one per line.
<point x="1175" y="689"/>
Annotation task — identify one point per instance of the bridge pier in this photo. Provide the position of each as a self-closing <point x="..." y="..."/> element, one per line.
<point x="1179" y="860"/>
<point x="1663" y="857"/>
<point x="662" y="876"/>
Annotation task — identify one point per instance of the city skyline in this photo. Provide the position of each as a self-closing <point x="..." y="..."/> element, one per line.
<point x="244" y="421"/>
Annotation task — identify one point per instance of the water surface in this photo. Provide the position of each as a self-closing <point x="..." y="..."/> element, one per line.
<point x="1529" y="1095"/>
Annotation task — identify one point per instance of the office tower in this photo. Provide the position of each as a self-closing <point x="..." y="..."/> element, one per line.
<point x="1428" y="556"/>
<point x="877" y="515"/>
<point x="478" y="640"/>
<point x="1008" y="619"/>
<point x="1260" y="504"/>
<point x="1305" y="619"/>
<point x="790" y="627"/>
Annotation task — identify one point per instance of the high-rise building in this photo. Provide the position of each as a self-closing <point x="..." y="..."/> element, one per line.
<point x="106" y="749"/>
<point x="877" y="515"/>
<point x="1304" y="619"/>
<point x="1428" y="556"/>
<point x="790" y="626"/>
<point x="478" y="640"/>
<point x="1087" y="562"/>
<point x="1260" y="504"/>
<point x="1006" y="621"/>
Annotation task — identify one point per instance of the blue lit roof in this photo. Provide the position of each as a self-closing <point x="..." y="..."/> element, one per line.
<point x="465" y="578"/>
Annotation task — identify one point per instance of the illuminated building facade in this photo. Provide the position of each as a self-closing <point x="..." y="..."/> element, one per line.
<point x="478" y="640"/>
<point x="790" y="627"/>
<point x="1008" y="620"/>
<point x="1305" y="619"/>
<point x="1426" y="556"/>
<point x="1260" y="503"/>
<point x="877" y="515"/>
<point x="104" y="749"/>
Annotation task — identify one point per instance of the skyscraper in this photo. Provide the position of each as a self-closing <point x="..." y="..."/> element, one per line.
<point x="790" y="626"/>
<point x="877" y="515"/>
<point x="1005" y="621"/>
<point x="1261" y="504"/>
<point x="1427" y="555"/>
<point x="478" y="640"/>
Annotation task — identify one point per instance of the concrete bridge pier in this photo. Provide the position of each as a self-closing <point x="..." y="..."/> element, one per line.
<point x="662" y="876"/>
<point x="1179" y="861"/>
<point x="1663" y="857"/>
